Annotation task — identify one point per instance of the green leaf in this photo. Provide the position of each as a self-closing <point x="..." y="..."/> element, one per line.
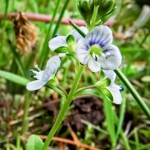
<point x="34" y="142"/>
<point x="14" y="78"/>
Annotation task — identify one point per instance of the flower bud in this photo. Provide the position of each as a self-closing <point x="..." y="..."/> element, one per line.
<point x="86" y="9"/>
<point x="105" y="7"/>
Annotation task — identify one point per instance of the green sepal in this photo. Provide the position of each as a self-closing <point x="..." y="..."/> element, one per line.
<point x="70" y="41"/>
<point x="102" y="75"/>
<point x="107" y="94"/>
<point x="86" y="8"/>
<point x="52" y="82"/>
<point x="103" y="83"/>
<point x="34" y="142"/>
<point x="63" y="49"/>
<point x="105" y="9"/>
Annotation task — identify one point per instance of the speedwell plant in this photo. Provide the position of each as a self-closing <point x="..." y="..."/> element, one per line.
<point x="91" y="46"/>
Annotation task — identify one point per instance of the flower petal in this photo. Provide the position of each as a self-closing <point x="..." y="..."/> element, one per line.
<point x="110" y="74"/>
<point x="34" y="85"/>
<point x="57" y="42"/>
<point x="51" y="68"/>
<point x="114" y="90"/>
<point x="77" y="35"/>
<point x="100" y="35"/>
<point x="111" y="59"/>
<point x="82" y="52"/>
<point x="93" y="65"/>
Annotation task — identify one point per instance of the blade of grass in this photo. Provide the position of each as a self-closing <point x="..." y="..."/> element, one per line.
<point x="109" y="114"/>
<point x="136" y="139"/>
<point x="4" y="23"/>
<point x="126" y="142"/>
<point x="28" y="97"/>
<point x="121" y="116"/>
<point x="44" y="52"/>
<point x="16" y="56"/>
<point x="60" y="17"/>
<point x="134" y="93"/>
<point x="14" y="78"/>
<point x="18" y="62"/>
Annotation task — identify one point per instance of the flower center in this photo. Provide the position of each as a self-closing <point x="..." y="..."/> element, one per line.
<point x="95" y="51"/>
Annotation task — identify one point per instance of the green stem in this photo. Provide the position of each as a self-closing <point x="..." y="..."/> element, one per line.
<point x="109" y="114"/>
<point x="60" y="17"/>
<point x="134" y="92"/>
<point x="26" y="111"/>
<point x="64" y="108"/>
<point x="94" y="17"/>
<point x="45" y="51"/>
<point x="121" y="117"/>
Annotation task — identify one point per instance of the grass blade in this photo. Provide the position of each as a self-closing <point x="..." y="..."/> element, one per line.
<point x="14" y="78"/>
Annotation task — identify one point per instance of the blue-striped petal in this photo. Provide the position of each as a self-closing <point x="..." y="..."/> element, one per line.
<point x="100" y="35"/>
<point x="82" y="52"/>
<point x="111" y="58"/>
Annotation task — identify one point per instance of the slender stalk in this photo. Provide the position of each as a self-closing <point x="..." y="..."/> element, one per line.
<point x="26" y="110"/>
<point x="18" y="142"/>
<point x="121" y="116"/>
<point x="109" y="114"/>
<point x="45" y="51"/>
<point x="134" y="93"/>
<point x="64" y="108"/>
<point x="95" y="13"/>
<point x="60" y="17"/>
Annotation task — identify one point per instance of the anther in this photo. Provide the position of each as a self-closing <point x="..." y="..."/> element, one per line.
<point x="107" y="55"/>
<point x="36" y="66"/>
<point x="121" y="88"/>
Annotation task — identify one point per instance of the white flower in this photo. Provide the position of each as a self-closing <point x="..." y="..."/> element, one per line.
<point x="60" y="41"/>
<point x="44" y="76"/>
<point x="96" y="50"/>
<point x="113" y="88"/>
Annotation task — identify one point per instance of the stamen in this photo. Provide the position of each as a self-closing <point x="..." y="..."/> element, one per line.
<point x="36" y="66"/>
<point x="107" y="55"/>
<point x="121" y="88"/>
<point x="56" y="35"/>
<point x="31" y="70"/>
<point x="95" y="57"/>
<point x="32" y="76"/>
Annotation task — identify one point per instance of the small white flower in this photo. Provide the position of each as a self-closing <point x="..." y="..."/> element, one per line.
<point x="60" y="41"/>
<point x="96" y="50"/>
<point x="113" y="88"/>
<point x="44" y="76"/>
